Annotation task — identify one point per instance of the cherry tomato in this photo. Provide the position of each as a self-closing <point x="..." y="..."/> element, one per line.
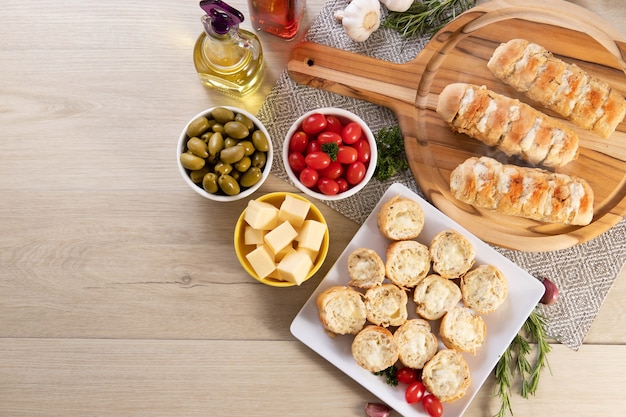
<point x="317" y="160"/>
<point x="355" y="173"/>
<point x="313" y="146"/>
<point x="329" y="137"/>
<point x="406" y="375"/>
<point x="433" y="406"/>
<point x="314" y="124"/>
<point x="333" y="124"/>
<point x="328" y="186"/>
<point x="363" y="148"/>
<point x="332" y="171"/>
<point x="296" y="162"/>
<point x="351" y="133"/>
<point x="414" y="392"/>
<point x="308" y="177"/>
<point x="298" y="142"/>
<point x="347" y="154"/>
<point x="343" y="184"/>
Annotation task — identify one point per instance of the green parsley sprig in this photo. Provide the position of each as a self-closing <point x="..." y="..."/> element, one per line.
<point x="390" y="374"/>
<point x="391" y="157"/>
<point x="425" y="17"/>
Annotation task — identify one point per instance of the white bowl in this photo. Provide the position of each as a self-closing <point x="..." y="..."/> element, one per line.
<point x="182" y="143"/>
<point x="343" y="115"/>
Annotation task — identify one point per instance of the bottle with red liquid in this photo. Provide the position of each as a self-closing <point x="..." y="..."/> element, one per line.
<point x="278" y="17"/>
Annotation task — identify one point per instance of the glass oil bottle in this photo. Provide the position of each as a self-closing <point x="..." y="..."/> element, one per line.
<point x="278" y="17"/>
<point x="226" y="57"/>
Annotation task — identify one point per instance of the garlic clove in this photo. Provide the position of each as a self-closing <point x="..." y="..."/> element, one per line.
<point x="360" y="19"/>
<point x="397" y="5"/>
<point x="377" y="410"/>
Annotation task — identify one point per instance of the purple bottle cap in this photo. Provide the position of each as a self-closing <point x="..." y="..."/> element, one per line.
<point x="223" y="17"/>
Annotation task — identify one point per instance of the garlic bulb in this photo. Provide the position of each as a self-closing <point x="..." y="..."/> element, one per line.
<point x="360" y="18"/>
<point x="397" y="5"/>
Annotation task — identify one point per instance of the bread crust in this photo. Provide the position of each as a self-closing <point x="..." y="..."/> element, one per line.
<point x="463" y="330"/>
<point x="521" y="191"/>
<point x="407" y="263"/>
<point x="374" y="348"/>
<point x="365" y="268"/>
<point x="341" y="310"/>
<point x="434" y="296"/>
<point x="386" y="305"/>
<point x="400" y="218"/>
<point x="452" y="254"/>
<point x="447" y="375"/>
<point x="484" y="289"/>
<point x="416" y="343"/>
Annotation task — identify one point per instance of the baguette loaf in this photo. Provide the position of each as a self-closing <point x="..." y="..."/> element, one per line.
<point x="408" y="262"/>
<point x="374" y="348"/>
<point x="447" y="375"/>
<point x="385" y="305"/>
<point x="341" y="310"/>
<point x="564" y="88"/>
<point x="416" y="343"/>
<point x="520" y="191"/>
<point x="511" y="126"/>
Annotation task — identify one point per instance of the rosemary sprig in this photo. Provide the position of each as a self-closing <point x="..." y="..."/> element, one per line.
<point x="425" y="17"/>
<point x="514" y="361"/>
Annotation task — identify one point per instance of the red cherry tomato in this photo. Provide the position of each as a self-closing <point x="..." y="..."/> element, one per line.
<point x="363" y="148"/>
<point x="298" y="142"/>
<point x="414" y="392"/>
<point x="347" y="154"/>
<point x="343" y="184"/>
<point x="314" y="124"/>
<point x="317" y="160"/>
<point x="296" y="162"/>
<point x="433" y="406"/>
<point x="332" y="171"/>
<point x="313" y="146"/>
<point x="406" y="375"/>
<point x="308" y="177"/>
<point x="333" y="124"/>
<point x="355" y="173"/>
<point x="351" y="133"/>
<point x="329" y="137"/>
<point x="328" y="186"/>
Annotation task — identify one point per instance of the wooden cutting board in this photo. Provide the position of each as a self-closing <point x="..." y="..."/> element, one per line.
<point x="459" y="53"/>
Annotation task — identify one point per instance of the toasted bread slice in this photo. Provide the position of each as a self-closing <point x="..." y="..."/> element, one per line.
<point x="408" y="262"/>
<point x="341" y="310"/>
<point x="434" y="296"/>
<point x="416" y="343"/>
<point x="484" y="288"/>
<point x="447" y="375"/>
<point x="366" y="268"/>
<point x="386" y="305"/>
<point x="374" y="348"/>
<point x="452" y="254"/>
<point x="401" y="219"/>
<point x="462" y="329"/>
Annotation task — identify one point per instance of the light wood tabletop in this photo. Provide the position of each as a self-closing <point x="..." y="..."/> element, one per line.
<point x="120" y="292"/>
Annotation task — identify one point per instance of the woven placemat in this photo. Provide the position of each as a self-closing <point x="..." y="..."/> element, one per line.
<point x="584" y="273"/>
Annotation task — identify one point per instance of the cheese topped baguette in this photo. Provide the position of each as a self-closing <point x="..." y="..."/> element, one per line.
<point x="564" y="88"/>
<point x="341" y="310"/>
<point x="520" y="191"/>
<point x="447" y="375"/>
<point x="386" y="305"/>
<point x="507" y="124"/>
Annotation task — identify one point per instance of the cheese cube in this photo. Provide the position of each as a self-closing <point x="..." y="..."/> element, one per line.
<point x="280" y="255"/>
<point x="293" y="210"/>
<point x="312" y="254"/>
<point x="311" y="235"/>
<point x="278" y="239"/>
<point x="261" y="215"/>
<point x="262" y="261"/>
<point x="294" y="267"/>
<point x="252" y="236"/>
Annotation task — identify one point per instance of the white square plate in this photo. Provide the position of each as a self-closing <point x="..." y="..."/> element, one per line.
<point x="502" y="325"/>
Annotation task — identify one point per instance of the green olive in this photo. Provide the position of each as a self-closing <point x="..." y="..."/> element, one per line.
<point x="244" y="164"/>
<point x="228" y="184"/>
<point x="250" y="177"/>
<point x="258" y="159"/>
<point x="209" y="182"/>
<point x="197" y="126"/>
<point x="216" y="143"/>
<point x="223" y="115"/>
<point x="248" y="146"/>
<point x="196" y="176"/>
<point x="236" y="175"/>
<point x="191" y="161"/>
<point x="222" y="168"/>
<point x="213" y="159"/>
<point x="240" y="117"/>
<point x="236" y="130"/>
<point x="260" y="141"/>
<point x="197" y="147"/>
<point x="232" y="154"/>
<point x="218" y="127"/>
<point x="230" y="142"/>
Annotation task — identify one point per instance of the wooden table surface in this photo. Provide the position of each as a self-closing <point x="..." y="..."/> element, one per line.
<point x="120" y="293"/>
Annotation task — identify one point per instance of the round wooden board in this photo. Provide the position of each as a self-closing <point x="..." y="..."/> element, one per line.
<point x="459" y="53"/>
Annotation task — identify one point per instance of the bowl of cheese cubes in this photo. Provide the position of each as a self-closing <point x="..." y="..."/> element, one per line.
<point x="281" y="239"/>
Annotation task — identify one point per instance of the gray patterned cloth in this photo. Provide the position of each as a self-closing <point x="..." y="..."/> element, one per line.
<point x="584" y="274"/>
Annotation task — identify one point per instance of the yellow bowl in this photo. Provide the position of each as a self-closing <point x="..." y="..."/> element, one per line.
<point x="241" y="249"/>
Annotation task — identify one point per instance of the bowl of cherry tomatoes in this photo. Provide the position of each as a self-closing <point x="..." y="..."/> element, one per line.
<point x="330" y="153"/>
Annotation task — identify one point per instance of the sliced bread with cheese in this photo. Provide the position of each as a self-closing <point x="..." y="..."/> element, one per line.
<point x="386" y="305"/>
<point x="341" y="310"/>
<point x="434" y="296"/>
<point x="401" y="218"/>
<point x="365" y="268"/>
<point x="374" y="348"/>
<point x="416" y="343"/>
<point x="462" y="329"/>
<point x="447" y="375"/>
<point x="407" y="263"/>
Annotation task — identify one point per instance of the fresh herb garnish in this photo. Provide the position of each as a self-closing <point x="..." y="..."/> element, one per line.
<point x="425" y="17"/>
<point x="331" y="148"/>
<point x="514" y="361"/>
<point x="390" y="375"/>
<point x="391" y="157"/>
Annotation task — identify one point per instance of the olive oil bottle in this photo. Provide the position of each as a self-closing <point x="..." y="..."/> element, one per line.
<point x="226" y="57"/>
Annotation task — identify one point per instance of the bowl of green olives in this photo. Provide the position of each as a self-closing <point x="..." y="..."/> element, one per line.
<point x="224" y="153"/>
